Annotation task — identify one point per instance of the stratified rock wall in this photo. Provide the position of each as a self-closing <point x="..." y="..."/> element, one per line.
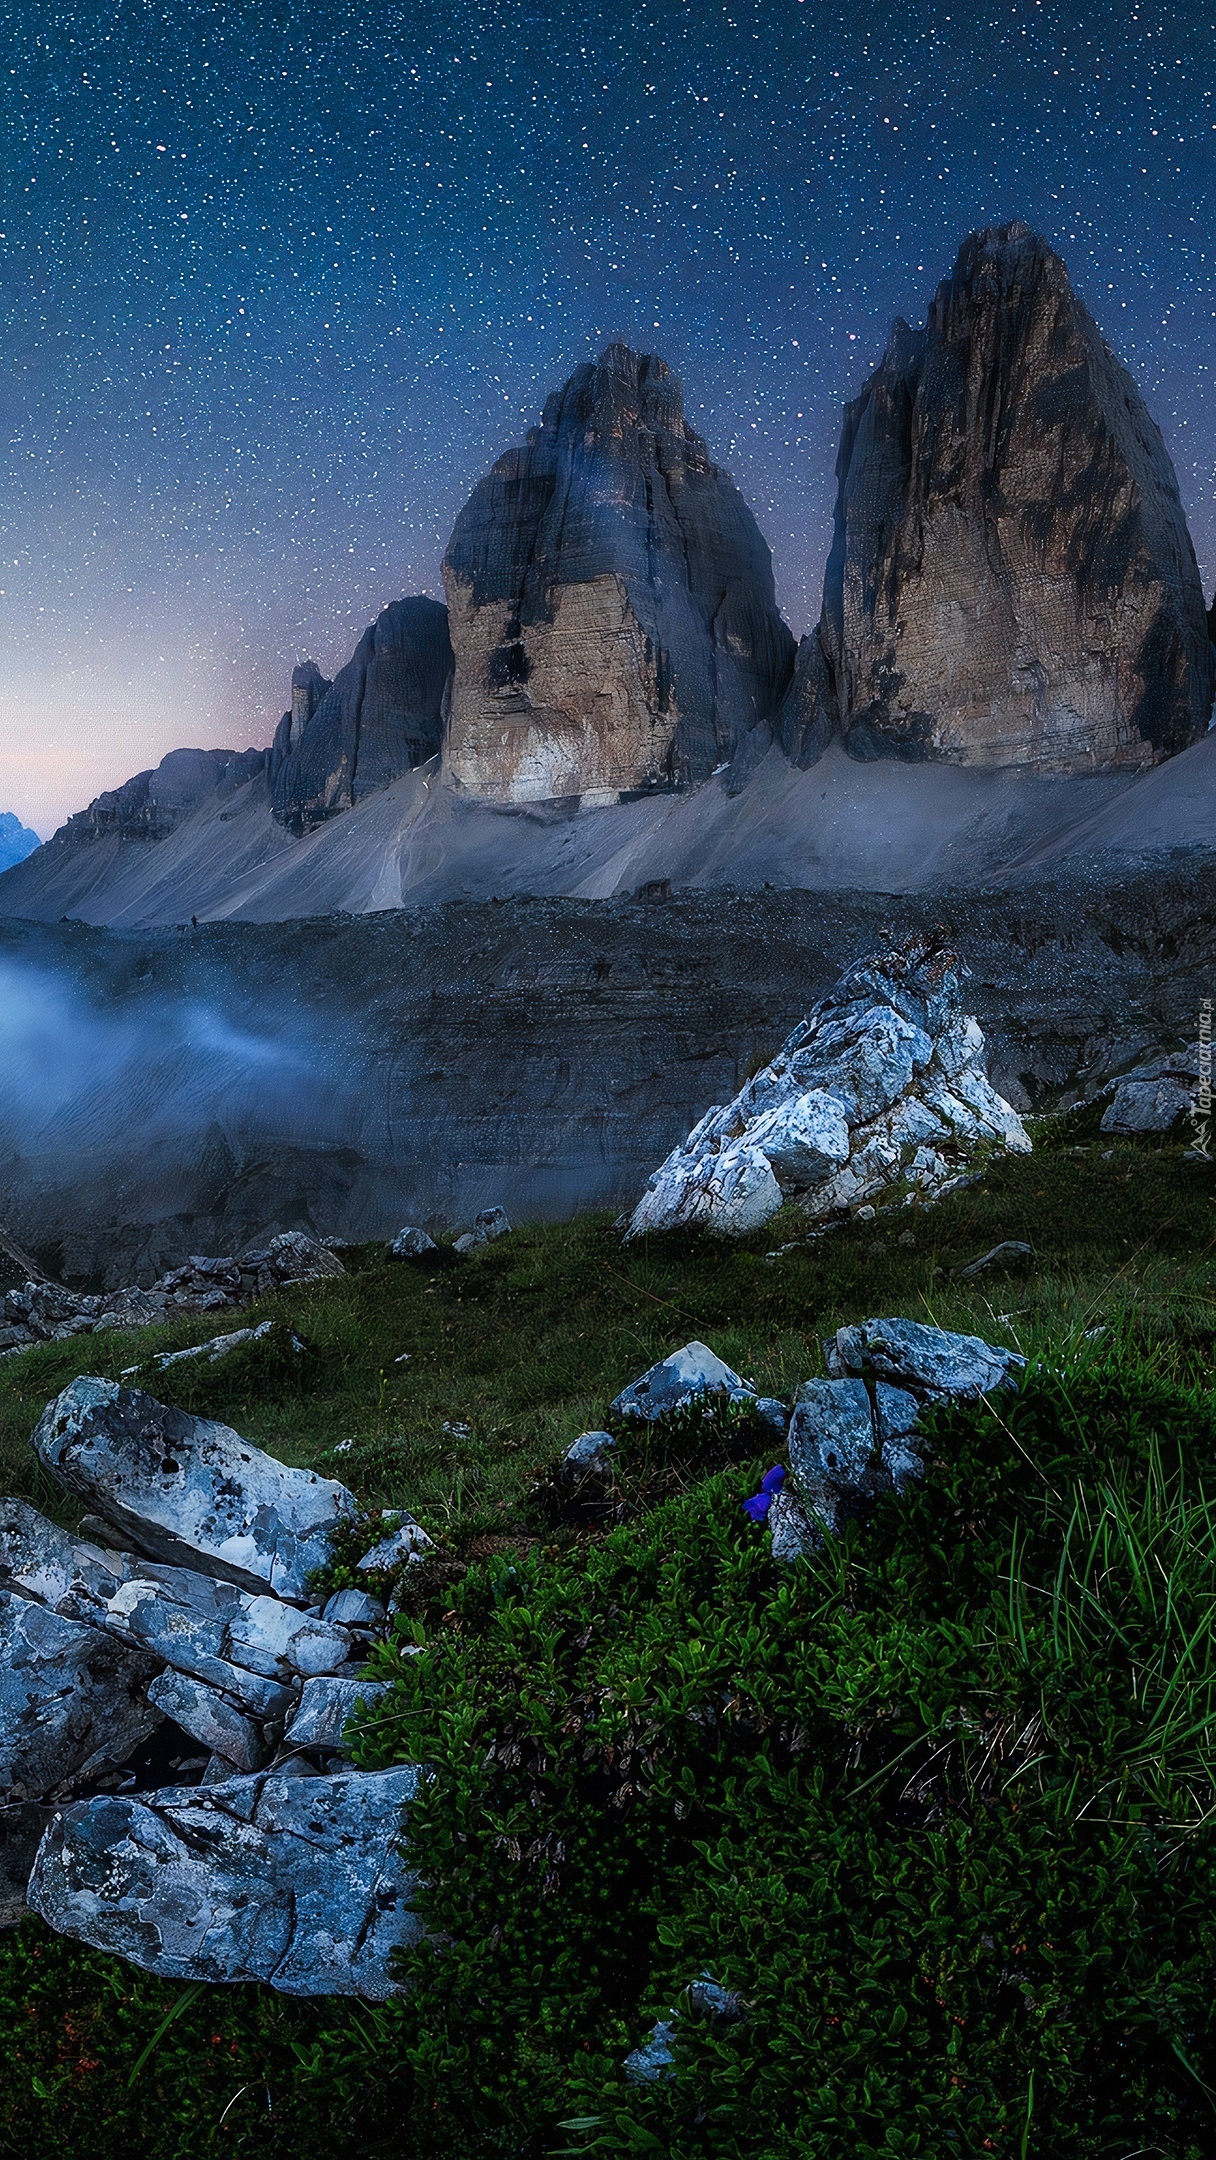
<point x="611" y="602"/>
<point x="1011" y="580"/>
<point x="153" y="804"/>
<point x="378" y="719"/>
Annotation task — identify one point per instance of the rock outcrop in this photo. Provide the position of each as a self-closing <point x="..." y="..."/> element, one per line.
<point x="379" y="718"/>
<point x="1011" y="580"/>
<point x="254" y="1862"/>
<point x="881" y="1091"/>
<point x="611" y="602"/>
<point x="190" y="1491"/>
<point x="295" y="1881"/>
<point x="857" y="1437"/>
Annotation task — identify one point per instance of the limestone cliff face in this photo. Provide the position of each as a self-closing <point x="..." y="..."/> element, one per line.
<point x="381" y="716"/>
<point x="1011" y="580"/>
<point x="611" y="602"/>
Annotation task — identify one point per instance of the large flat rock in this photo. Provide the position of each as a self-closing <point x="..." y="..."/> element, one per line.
<point x="294" y="1881"/>
<point x="188" y="1490"/>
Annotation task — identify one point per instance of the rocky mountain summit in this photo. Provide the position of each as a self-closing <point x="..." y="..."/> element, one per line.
<point x="1012" y="637"/>
<point x="611" y="601"/>
<point x="16" y="840"/>
<point x="1011" y="580"/>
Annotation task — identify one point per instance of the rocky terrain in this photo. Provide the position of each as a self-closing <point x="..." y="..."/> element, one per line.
<point x="343" y="1076"/>
<point x="1011" y="580"/>
<point x="184" y="1613"/>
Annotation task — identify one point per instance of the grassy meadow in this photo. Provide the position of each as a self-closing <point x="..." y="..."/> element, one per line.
<point x="936" y="1804"/>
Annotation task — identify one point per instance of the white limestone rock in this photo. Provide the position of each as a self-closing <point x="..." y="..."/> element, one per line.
<point x="325" y="1709"/>
<point x="411" y="1244"/>
<point x="188" y="1490"/>
<point x="297" y="1882"/>
<point x="882" y="1087"/>
<point x="928" y="1361"/>
<point x="687" y="1376"/>
<point x="72" y="1701"/>
<point x="209" y="1718"/>
<point x="1155" y="1098"/>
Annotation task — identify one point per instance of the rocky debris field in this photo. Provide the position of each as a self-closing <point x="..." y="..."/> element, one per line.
<point x="47" y="1312"/>
<point x="179" y="1632"/>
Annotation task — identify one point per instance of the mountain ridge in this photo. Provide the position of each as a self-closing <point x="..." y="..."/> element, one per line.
<point x="611" y="698"/>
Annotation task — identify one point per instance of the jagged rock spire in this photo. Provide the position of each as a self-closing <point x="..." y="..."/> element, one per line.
<point x="1011" y="580"/>
<point x="611" y="601"/>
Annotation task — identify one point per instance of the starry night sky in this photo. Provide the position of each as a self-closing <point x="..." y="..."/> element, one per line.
<point x="279" y="282"/>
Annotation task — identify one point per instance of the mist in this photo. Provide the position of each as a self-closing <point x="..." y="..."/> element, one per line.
<point x="145" y="1106"/>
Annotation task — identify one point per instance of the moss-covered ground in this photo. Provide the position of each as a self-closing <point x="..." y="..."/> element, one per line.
<point x="935" y="1804"/>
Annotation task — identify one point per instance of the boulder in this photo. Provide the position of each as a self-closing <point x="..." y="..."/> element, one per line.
<point x="380" y="717"/>
<point x="491" y="1223"/>
<point x="590" y="1447"/>
<point x="324" y="1711"/>
<point x="295" y="1257"/>
<point x="189" y="1490"/>
<point x="928" y="1361"/>
<point x="856" y="1437"/>
<point x="881" y="1090"/>
<point x="847" y="1449"/>
<point x="296" y="1882"/>
<point x="407" y="1542"/>
<point x="1157" y="1097"/>
<point x="655" y="2058"/>
<point x="72" y="1700"/>
<point x="209" y="1718"/>
<point x="411" y="1244"/>
<point x="1011" y="581"/>
<point x="690" y="1375"/>
<point x="611" y="602"/>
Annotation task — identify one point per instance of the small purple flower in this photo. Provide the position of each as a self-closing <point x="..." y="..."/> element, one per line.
<point x="772" y="1481"/>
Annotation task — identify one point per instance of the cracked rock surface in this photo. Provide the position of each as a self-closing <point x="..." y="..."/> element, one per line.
<point x="189" y="1490"/>
<point x="295" y="1881"/>
<point x="72" y="1700"/>
<point x="882" y="1089"/>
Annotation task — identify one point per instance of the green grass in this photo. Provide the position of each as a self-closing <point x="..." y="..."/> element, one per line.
<point x="936" y="1802"/>
<point x="523" y="1345"/>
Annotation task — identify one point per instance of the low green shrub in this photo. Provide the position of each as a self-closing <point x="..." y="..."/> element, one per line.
<point x="936" y="1804"/>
